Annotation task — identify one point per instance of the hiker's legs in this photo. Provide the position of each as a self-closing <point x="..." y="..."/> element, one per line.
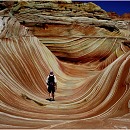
<point x="49" y="95"/>
<point x="51" y="90"/>
<point x="53" y="96"/>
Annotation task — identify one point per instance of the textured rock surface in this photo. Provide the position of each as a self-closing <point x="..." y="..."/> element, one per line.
<point x="125" y="16"/>
<point x="91" y="62"/>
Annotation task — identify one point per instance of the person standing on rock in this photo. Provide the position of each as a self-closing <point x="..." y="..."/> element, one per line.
<point x="51" y="85"/>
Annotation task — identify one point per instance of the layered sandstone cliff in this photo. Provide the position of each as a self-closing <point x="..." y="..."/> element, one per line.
<point x="90" y="57"/>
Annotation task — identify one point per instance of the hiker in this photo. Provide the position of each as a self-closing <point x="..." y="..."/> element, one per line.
<point x="51" y="85"/>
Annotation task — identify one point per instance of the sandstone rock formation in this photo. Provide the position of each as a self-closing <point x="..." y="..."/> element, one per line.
<point x="89" y="56"/>
<point x="125" y="16"/>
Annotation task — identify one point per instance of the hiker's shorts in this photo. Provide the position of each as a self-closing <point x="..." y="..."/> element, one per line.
<point x="51" y="89"/>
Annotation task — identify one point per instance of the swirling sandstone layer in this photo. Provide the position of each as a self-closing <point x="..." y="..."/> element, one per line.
<point x="92" y="72"/>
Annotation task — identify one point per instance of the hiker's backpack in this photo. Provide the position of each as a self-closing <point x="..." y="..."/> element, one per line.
<point x="51" y="80"/>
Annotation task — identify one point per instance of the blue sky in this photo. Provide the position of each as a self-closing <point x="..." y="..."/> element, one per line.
<point x="120" y="7"/>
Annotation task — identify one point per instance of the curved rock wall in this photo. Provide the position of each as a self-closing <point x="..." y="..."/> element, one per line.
<point x="94" y="91"/>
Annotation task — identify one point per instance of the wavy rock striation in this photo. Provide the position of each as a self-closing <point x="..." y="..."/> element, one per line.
<point x="92" y="69"/>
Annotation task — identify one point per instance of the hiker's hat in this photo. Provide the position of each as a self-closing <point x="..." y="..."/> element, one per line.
<point x="51" y="72"/>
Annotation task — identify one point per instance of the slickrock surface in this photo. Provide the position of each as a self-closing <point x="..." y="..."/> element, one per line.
<point x="90" y="58"/>
<point x="125" y="16"/>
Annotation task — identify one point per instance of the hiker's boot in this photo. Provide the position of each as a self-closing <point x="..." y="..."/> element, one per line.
<point x="53" y="99"/>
